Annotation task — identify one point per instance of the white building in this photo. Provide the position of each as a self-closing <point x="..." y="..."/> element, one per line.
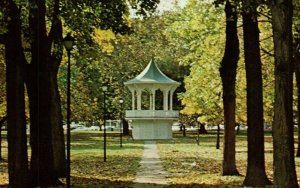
<point x="149" y="124"/>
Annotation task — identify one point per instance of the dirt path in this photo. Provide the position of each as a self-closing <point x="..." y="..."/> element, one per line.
<point x="151" y="173"/>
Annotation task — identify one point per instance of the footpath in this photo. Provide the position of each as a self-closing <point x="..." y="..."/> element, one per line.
<point x="151" y="173"/>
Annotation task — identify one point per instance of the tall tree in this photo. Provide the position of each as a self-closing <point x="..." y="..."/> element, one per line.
<point x="296" y="60"/>
<point x="2" y="121"/>
<point x="283" y="138"/>
<point x="256" y="175"/>
<point x="296" y="51"/>
<point x="228" y="76"/>
<point x="55" y="113"/>
<point x="40" y="96"/>
<point x="297" y="73"/>
<point x="3" y="116"/>
<point x="17" y="140"/>
<point x="197" y="31"/>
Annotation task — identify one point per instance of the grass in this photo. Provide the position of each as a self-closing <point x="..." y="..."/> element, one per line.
<point x="88" y="167"/>
<point x="188" y="164"/>
<point x="191" y="165"/>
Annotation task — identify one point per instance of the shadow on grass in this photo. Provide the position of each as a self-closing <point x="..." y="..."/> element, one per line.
<point x="111" y="145"/>
<point x="201" y="186"/>
<point x="93" y="141"/>
<point x="79" y="182"/>
<point x="115" y="146"/>
<point x="144" y="185"/>
<point x="188" y="140"/>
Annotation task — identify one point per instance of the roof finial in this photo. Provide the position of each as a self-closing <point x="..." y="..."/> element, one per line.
<point x="152" y="58"/>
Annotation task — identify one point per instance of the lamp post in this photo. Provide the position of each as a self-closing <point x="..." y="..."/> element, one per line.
<point x="68" y="43"/>
<point x="104" y="89"/>
<point x="121" y="121"/>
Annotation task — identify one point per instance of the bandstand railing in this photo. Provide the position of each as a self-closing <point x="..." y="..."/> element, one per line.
<point x="152" y="114"/>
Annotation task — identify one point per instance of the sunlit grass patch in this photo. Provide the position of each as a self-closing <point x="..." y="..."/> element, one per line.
<point x="88" y="161"/>
<point x="87" y="166"/>
<point x="191" y="165"/>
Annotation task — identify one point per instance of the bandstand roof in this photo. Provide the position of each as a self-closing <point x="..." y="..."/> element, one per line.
<point x="152" y="75"/>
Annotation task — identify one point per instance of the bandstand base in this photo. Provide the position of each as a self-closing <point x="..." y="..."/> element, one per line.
<point x="151" y="129"/>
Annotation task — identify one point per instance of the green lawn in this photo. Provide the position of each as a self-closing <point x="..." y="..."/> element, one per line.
<point x="188" y="164"/>
<point x="88" y="168"/>
<point x="191" y="165"/>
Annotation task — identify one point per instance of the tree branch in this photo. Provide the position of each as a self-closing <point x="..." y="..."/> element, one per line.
<point x="262" y="21"/>
<point x="266" y="38"/>
<point x="55" y="35"/>
<point x="56" y="23"/>
<point x="265" y="15"/>
<point x="267" y="52"/>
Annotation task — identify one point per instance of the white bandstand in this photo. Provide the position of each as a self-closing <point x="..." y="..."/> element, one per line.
<point x="152" y="124"/>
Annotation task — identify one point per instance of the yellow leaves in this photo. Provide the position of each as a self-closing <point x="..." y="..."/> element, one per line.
<point x="202" y="119"/>
<point x="103" y="35"/>
<point x="3" y="109"/>
<point x="88" y="168"/>
<point x="105" y="39"/>
<point x="195" y="25"/>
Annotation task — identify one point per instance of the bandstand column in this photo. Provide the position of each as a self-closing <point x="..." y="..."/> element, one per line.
<point x="171" y="99"/>
<point x="133" y="99"/>
<point x="166" y="93"/>
<point x="150" y="102"/>
<point x="139" y="99"/>
<point x="153" y="99"/>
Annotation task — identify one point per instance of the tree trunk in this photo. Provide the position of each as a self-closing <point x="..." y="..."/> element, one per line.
<point x="202" y="129"/>
<point x="2" y="121"/>
<point x="42" y="160"/>
<point x="296" y="51"/>
<point x="16" y="136"/>
<point x="218" y="138"/>
<point x="238" y="128"/>
<point x="297" y="72"/>
<point x="1" y="143"/>
<point x="58" y="144"/>
<point x="228" y="75"/>
<point x="125" y="127"/>
<point x="256" y="174"/>
<point x="283" y="138"/>
<point x="40" y="99"/>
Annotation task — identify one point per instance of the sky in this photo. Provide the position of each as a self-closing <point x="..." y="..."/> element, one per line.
<point x="165" y="5"/>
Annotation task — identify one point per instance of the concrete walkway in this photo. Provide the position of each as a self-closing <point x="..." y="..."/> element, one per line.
<point x="151" y="173"/>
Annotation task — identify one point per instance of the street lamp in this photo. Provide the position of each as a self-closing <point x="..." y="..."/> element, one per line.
<point x="104" y="89"/>
<point x="68" y="43"/>
<point x="121" y="120"/>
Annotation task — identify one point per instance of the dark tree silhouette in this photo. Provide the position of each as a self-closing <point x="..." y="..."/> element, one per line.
<point x="283" y="138"/>
<point x="256" y="175"/>
<point x="228" y="76"/>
